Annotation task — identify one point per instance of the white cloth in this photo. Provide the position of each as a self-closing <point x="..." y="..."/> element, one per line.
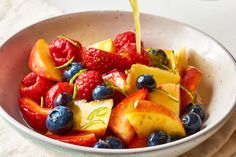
<point x="25" y="12"/>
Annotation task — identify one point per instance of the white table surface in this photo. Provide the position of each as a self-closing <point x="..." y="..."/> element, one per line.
<point x="214" y="17"/>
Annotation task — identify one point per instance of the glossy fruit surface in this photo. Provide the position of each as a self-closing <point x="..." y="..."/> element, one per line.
<point x="115" y="142"/>
<point x="129" y="51"/>
<point x="103" y="62"/>
<point x="63" y="50"/>
<point x="157" y="138"/>
<point x="63" y="99"/>
<point x="124" y="38"/>
<point x="190" y="80"/>
<point x="102" y="144"/>
<point x="198" y="109"/>
<point x="60" y="120"/>
<point x="146" y="81"/>
<point x="41" y="62"/>
<point x="119" y="123"/>
<point x="192" y="123"/>
<point x="55" y="90"/>
<point x="71" y="70"/>
<point x="81" y="139"/>
<point x="86" y="83"/>
<point x="35" y="86"/>
<point x="33" y="114"/>
<point x="116" y="77"/>
<point x="102" y="92"/>
<point x="138" y="142"/>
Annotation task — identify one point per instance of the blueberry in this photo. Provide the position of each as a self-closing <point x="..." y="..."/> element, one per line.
<point x="103" y="92"/>
<point x="60" y="120"/>
<point x="158" y="58"/>
<point x="146" y="81"/>
<point x="63" y="99"/>
<point x="198" y="109"/>
<point x="71" y="70"/>
<point x="115" y="142"/>
<point x="157" y="138"/>
<point x="192" y="123"/>
<point x="102" y="144"/>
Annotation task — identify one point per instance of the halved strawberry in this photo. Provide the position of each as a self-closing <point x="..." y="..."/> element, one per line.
<point x="119" y="123"/>
<point x="138" y="142"/>
<point x="116" y="77"/>
<point x="55" y="90"/>
<point x="129" y="51"/>
<point x="35" y="86"/>
<point x="81" y="139"/>
<point x="33" y="114"/>
<point x="102" y="61"/>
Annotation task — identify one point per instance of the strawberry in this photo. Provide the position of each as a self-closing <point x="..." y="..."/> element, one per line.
<point x="33" y="114"/>
<point x="86" y="82"/>
<point x="55" y="90"/>
<point x="129" y="51"/>
<point x="116" y="77"/>
<point x="62" y="50"/>
<point x="35" y="86"/>
<point x="124" y="38"/>
<point x="81" y="139"/>
<point x="102" y="61"/>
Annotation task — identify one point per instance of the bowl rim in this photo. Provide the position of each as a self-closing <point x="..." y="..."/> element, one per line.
<point x="40" y="137"/>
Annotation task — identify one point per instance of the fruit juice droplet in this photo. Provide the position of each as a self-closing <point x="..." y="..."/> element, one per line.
<point x="134" y="5"/>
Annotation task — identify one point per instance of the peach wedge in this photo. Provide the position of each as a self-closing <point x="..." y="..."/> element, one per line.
<point x="145" y="117"/>
<point x="41" y="62"/>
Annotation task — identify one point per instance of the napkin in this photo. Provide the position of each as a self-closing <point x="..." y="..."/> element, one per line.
<point x="221" y="144"/>
<point x="17" y="14"/>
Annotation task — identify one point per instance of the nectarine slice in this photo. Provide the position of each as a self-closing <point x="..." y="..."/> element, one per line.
<point x="145" y="117"/>
<point x="41" y="62"/>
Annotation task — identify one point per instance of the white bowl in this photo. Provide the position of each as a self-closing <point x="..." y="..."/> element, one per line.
<point x="217" y="88"/>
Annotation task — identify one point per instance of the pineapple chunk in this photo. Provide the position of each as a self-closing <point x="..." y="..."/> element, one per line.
<point x="106" y="45"/>
<point x="92" y="116"/>
<point x="160" y="76"/>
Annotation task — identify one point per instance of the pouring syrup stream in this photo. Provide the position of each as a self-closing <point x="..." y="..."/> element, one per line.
<point x="134" y="5"/>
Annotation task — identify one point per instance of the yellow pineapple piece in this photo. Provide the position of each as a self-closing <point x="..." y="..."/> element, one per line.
<point x="160" y="76"/>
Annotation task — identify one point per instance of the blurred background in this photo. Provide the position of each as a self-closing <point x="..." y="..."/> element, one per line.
<point x="215" y="17"/>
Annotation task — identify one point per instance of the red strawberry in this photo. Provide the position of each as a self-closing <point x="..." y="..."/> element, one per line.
<point x="86" y="82"/>
<point x="63" y="50"/>
<point x="129" y="51"/>
<point x="35" y="86"/>
<point x="116" y="77"/>
<point x="33" y="114"/>
<point x="81" y="139"/>
<point x="103" y="61"/>
<point x="55" y="90"/>
<point x="123" y="38"/>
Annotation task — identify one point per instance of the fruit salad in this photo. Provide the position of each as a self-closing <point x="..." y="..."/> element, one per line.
<point x="108" y="95"/>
